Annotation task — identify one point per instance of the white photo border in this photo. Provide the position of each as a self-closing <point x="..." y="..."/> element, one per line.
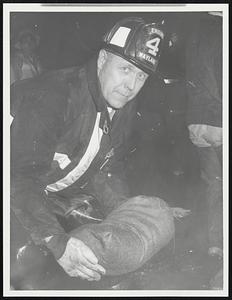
<point x="99" y="7"/>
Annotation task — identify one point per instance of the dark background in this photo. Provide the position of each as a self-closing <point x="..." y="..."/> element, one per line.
<point x="67" y="39"/>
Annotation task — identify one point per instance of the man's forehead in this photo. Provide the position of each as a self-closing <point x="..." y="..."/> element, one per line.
<point x="126" y="63"/>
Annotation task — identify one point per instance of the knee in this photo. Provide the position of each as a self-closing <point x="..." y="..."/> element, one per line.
<point x="26" y="261"/>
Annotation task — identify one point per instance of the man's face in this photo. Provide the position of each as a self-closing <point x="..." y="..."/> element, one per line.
<point x="120" y="80"/>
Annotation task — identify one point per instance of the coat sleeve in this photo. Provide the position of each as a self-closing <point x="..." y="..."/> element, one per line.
<point x="36" y="126"/>
<point x="204" y="73"/>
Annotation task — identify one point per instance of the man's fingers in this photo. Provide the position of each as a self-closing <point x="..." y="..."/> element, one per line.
<point x="83" y="250"/>
<point x="77" y="270"/>
<point x="90" y="260"/>
<point x="78" y="273"/>
<point x="100" y="269"/>
<point x="88" y="254"/>
<point x="83" y="262"/>
<point x="83" y="272"/>
<point x="87" y="263"/>
<point x="79" y="259"/>
<point x="90" y="273"/>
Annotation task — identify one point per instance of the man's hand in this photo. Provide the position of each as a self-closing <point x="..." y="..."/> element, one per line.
<point x="205" y="135"/>
<point x="79" y="260"/>
<point x="214" y="136"/>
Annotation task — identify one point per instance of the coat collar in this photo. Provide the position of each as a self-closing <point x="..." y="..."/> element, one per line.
<point x="100" y="102"/>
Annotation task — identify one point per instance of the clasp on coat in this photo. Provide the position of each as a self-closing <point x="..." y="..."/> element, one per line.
<point x="105" y="128"/>
<point x="110" y="153"/>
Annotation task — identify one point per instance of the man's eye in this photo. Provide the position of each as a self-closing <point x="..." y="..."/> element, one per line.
<point x="142" y="76"/>
<point x="126" y="70"/>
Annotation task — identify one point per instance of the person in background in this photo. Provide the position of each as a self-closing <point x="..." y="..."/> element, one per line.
<point x="25" y="62"/>
<point x="204" y="116"/>
<point x="68" y="138"/>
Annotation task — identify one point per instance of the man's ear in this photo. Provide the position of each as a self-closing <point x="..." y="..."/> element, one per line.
<point x="102" y="57"/>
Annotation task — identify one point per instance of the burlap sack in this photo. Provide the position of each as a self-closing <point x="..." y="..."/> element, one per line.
<point x="130" y="235"/>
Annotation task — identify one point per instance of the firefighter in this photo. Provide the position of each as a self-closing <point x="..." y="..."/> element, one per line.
<point x="69" y="136"/>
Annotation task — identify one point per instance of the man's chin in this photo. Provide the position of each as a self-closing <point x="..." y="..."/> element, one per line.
<point x="117" y="104"/>
<point x="115" y="107"/>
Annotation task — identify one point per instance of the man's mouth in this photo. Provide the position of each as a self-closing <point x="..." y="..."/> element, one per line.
<point x="123" y="95"/>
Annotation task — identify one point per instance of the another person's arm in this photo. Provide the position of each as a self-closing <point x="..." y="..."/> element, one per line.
<point x="204" y="69"/>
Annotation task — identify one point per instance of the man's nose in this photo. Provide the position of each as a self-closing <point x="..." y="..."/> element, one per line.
<point x="131" y="82"/>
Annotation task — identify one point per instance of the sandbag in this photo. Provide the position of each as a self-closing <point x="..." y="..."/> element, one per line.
<point x="130" y="235"/>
